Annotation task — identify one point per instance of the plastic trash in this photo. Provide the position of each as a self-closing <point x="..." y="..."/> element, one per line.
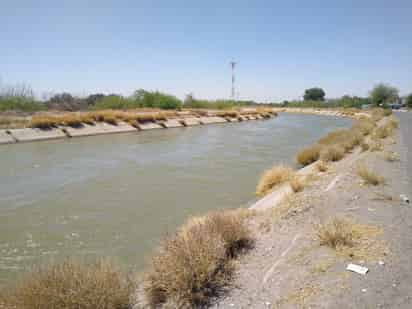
<point x="404" y="198"/>
<point x="357" y="269"/>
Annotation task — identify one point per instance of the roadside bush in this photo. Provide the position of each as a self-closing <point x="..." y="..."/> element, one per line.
<point x="195" y="264"/>
<point x="276" y="176"/>
<point x="70" y="285"/>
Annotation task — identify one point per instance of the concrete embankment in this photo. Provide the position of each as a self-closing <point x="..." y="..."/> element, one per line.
<point x="34" y="134"/>
<point x="323" y="112"/>
<point x="6" y="138"/>
<point x="98" y="128"/>
<point x="292" y="266"/>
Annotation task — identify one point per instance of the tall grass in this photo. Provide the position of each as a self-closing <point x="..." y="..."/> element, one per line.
<point x="195" y="265"/>
<point x="71" y="285"/>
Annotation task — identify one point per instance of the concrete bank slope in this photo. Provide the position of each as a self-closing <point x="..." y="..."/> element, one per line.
<point x="322" y="112"/>
<point x="36" y="134"/>
<point x="288" y="268"/>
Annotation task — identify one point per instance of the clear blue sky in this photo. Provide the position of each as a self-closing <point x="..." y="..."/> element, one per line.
<point x="179" y="47"/>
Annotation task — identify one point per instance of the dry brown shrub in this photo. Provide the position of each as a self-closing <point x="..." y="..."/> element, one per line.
<point x="322" y="166"/>
<point x="332" y="153"/>
<point x="391" y="156"/>
<point x="369" y="176"/>
<point x="309" y="154"/>
<point x="297" y="184"/>
<point x="43" y="122"/>
<point x="375" y="145"/>
<point x="335" y="233"/>
<point x="365" y="146"/>
<point x="70" y="285"/>
<point x="196" y="263"/>
<point x="8" y="122"/>
<point x="276" y="176"/>
<point x="383" y="131"/>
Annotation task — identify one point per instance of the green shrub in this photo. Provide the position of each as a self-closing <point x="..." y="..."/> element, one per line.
<point x="20" y="104"/>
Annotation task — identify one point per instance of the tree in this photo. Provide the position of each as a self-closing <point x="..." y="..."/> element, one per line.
<point x="314" y="94"/>
<point x="409" y="101"/>
<point x="384" y="94"/>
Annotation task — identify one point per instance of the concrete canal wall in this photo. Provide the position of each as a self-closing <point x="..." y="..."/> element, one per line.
<point x="36" y="134"/>
<point x="172" y="123"/>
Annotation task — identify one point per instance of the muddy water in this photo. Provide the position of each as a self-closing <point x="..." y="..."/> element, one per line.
<point x="117" y="195"/>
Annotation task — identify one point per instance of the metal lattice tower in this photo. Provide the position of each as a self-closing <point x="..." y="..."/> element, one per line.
<point x="233" y="64"/>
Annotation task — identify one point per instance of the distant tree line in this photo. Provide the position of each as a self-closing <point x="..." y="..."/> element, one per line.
<point x="21" y="98"/>
<point x="381" y="95"/>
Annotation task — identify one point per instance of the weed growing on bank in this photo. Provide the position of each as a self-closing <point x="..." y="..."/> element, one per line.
<point x="71" y="285"/>
<point x="195" y="264"/>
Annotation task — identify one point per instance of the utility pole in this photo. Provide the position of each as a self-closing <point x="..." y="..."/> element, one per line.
<point x="233" y="64"/>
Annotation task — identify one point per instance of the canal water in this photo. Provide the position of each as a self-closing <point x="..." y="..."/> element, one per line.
<point x="117" y="195"/>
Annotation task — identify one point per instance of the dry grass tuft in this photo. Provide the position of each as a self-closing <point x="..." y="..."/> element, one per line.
<point x="364" y="126"/>
<point x="391" y="156"/>
<point x="369" y="177"/>
<point x="365" y="146"/>
<point x="7" y="122"/>
<point x="322" y="166"/>
<point x="276" y="176"/>
<point x="309" y="154"/>
<point x="71" y="285"/>
<point x="353" y="240"/>
<point x="196" y="263"/>
<point x="297" y="184"/>
<point x="383" y="131"/>
<point x="376" y="146"/>
<point x="332" y="153"/>
<point x="336" y="233"/>
<point x="299" y="298"/>
<point x="42" y="122"/>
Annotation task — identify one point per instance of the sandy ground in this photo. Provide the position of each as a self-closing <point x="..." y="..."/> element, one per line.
<point x="289" y="269"/>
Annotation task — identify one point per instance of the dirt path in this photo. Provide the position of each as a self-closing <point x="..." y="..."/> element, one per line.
<point x="289" y="269"/>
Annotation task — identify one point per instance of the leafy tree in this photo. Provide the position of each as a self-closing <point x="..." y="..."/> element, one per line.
<point x="409" y="101"/>
<point x="314" y="94"/>
<point x="94" y="98"/>
<point x="383" y="94"/>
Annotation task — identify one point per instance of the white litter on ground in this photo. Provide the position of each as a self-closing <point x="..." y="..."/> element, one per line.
<point x="404" y="198"/>
<point x="357" y="269"/>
